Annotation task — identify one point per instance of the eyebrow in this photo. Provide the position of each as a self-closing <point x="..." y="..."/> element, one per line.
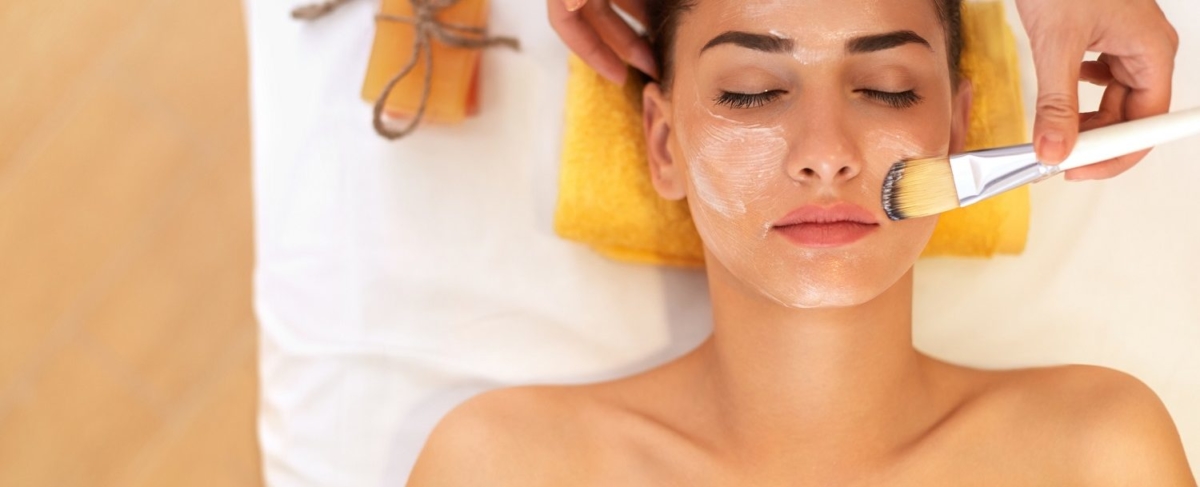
<point x="880" y="42"/>
<point x="758" y="42"/>
<point x="857" y="45"/>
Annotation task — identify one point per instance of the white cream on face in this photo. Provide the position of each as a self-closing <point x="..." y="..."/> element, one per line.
<point x="731" y="162"/>
<point x="807" y="54"/>
<point x="892" y="146"/>
<point x="738" y="172"/>
<point x="740" y="164"/>
<point x="754" y="10"/>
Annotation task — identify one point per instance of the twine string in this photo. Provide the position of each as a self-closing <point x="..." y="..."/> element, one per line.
<point x="428" y="28"/>
<point x="314" y="11"/>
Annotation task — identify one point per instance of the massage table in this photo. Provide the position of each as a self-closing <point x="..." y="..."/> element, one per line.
<point x="394" y="280"/>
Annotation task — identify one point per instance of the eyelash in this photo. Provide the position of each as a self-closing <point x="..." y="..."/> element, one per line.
<point x="747" y="100"/>
<point x="902" y="99"/>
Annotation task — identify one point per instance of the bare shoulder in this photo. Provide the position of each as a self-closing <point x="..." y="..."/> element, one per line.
<point x="497" y="438"/>
<point x="1111" y="426"/>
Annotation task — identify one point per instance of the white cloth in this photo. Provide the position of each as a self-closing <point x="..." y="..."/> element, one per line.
<point x="395" y="280"/>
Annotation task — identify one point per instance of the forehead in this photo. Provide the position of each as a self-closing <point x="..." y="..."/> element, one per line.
<point x="812" y="24"/>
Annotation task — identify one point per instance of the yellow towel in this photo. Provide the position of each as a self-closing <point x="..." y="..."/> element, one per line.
<point x="606" y="199"/>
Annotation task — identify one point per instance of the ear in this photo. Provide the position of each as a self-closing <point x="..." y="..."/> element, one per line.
<point x="665" y="174"/>
<point x="960" y="122"/>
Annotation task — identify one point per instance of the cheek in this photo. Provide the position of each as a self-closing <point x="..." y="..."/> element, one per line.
<point x="734" y="168"/>
<point x="885" y="146"/>
<point x="731" y="164"/>
<point x="914" y="233"/>
<point x="891" y="145"/>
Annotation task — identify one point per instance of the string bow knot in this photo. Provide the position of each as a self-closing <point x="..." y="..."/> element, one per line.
<point x="428" y="28"/>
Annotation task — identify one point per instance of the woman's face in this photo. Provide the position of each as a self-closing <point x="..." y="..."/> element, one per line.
<point x="784" y="105"/>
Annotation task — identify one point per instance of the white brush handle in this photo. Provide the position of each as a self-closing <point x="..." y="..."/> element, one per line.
<point x="1126" y="138"/>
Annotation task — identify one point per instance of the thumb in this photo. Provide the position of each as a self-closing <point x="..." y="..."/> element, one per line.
<point x="573" y="5"/>
<point x="1056" y="124"/>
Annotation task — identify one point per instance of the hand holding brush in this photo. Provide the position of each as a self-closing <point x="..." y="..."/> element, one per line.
<point x="923" y="187"/>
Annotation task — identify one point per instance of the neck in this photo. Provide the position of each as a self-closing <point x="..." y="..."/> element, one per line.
<point x="813" y="383"/>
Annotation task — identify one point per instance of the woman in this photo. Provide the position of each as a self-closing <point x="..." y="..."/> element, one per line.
<point x="777" y="121"/>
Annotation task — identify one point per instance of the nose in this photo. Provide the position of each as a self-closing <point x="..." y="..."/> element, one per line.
<point x="826" y="170"/>
<point x="825" y="150"/>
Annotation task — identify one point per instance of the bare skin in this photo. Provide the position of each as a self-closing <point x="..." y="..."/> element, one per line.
<point x="1060" y="426"/>
<point x="810" y="376"/>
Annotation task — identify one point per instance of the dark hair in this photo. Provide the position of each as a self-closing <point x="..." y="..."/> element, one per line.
<point x="662" y="21"/>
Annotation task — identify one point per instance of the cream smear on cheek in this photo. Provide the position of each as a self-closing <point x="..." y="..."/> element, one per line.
<point x="734" y="167"/>
<point x="892" y="146"/>
<point x="842" y="276"/>
<point x="731" y="163"/>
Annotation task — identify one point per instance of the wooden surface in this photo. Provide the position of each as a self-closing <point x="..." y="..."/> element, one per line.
<point x="127" y="341"/>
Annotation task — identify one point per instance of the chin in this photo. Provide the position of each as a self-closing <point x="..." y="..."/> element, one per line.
<point x="818" y="299"/>
<point x="805" y="277"/>
<point x="820" y="279"/>
<point x="832" y="293"/>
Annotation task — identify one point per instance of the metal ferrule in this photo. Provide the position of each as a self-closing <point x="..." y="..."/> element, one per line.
<point x="982" y="174"/>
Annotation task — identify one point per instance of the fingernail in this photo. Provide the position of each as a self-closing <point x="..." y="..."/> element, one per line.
<point x="617" y="77"/>
<point x="1053" y="148"/>
<point x="644" y="62"/>
<point x="573" y="5"/>
<point x="1071" y="177"/>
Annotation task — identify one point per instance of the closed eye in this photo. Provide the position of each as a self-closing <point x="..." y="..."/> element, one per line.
<point x="902" y="99"/>
<point x="747" y="100"/>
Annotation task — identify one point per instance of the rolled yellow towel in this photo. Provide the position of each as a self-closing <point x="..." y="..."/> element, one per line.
<point x="606" y="199"/>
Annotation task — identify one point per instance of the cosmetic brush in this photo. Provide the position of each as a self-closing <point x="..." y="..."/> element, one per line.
<point x="923" y="187"/>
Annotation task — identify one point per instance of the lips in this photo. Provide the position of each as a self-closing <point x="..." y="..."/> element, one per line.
<point x="833" y="226"/>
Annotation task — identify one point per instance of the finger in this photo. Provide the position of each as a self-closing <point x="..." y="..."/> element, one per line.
<point x="1095" y="72"/>
<point x="582" y="39"/>
<point x="1107" y="169"/>
<point x="1112" y="110"/>
<point x="1149" y="75"/>
<point x="573" y="5"/>
<point x="1112" y="104"/>
<point x="621" y="38"/>
<point x="1056" y="59"/>
<point x="1084" y="118"/>
<point x="1109" y="112"/>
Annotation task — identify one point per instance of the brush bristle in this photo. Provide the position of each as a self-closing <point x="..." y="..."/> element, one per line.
<point x="920" y="187"/>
